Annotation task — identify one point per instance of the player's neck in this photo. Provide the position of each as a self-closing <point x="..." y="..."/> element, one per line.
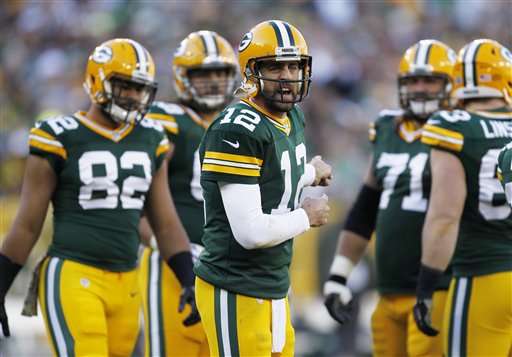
<point x="96" y="114"/>
<point x="260" y="102"/>
<point x="208" y="116"/>
<point x="489" y="104"/>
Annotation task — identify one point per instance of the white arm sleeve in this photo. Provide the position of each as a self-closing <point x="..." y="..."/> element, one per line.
<point x="251" y="227"/>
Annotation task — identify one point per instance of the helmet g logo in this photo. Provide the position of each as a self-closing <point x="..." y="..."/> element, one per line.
<point x="102" y="54"/>
<point x="452" y="56"/>
<point x="506" y="54"/>
<point x="246" y="40"/>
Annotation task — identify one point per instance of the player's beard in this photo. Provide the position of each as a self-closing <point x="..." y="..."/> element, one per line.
<point x="273" y="99"/>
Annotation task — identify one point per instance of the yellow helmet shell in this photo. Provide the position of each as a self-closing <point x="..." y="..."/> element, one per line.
<point x="426" y="58"/>
<point x="483" y="70"/>
<point x="120" y="57"/>
<point x="272" y="40"/>
<point x="202" y="50"/>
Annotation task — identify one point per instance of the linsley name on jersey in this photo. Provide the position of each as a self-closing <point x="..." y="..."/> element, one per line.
<point x="496" y="129"/>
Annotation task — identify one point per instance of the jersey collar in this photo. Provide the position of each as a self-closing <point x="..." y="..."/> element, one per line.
<point x="282" y="124"/>
<point x="195" y="117"/>
<point x="409" y="132"/>
<point x="115" y="135"/>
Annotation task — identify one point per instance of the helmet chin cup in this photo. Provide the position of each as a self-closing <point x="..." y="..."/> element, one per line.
<point x="424" y="109"/>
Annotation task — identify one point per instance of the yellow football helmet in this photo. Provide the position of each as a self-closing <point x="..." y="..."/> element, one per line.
<point x="113" y="67"/>
<point x="483" y="70"/>
<point x="426" y="58"/>
<point x="277" y="41"/>
<point x="204" y="50"/>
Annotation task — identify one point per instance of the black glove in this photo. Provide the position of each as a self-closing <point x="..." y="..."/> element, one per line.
<point x="188" y="296"/>
<point x="181" y="264"/>
<point x="421" y="312"/>
<point x="9" y="270"/>
<point x="338" y="298"/>
<point x="427" y="281"/>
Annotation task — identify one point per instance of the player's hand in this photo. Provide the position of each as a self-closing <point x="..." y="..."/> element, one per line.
<point x="421" y="312"/>
<point x="188" y="296"/>
<point x="323" y="172"/>
<point x="317" y="209"/>
<point x="3" y="319"/>
<point x="338" y="298"/>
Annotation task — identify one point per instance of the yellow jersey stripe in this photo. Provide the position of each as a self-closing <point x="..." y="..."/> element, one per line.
<point x="372" y="133"/>
<point x="232" y="157"/>
<point x="443" y="132"/>
<point x="231" y="170"/>
<point x="434" y="139"/>
<point x="39" y="132"/>
<point x="49" y="148"/>
<point x="233" y="164"/>
<point x="167" y="121"/>
<point x="163" y="147"/>
<point x="47" y="141"/>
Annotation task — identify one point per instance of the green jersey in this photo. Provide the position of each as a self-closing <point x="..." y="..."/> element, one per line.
<point x="185" y="130"/>
<point x="505" y="170"/>
<point x="484" y="244"/>
<point x="103" y="176"/>
<point x="401" y="168"/>
<point x="246" y="145"/>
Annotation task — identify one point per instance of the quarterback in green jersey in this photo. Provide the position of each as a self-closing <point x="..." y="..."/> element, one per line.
<point x="253" y="169"/>
<point x="468" y="217"/>
<point x="394" y="201"/>
<point x="100" y="169"/>
<point x="204" y="75"/>
<point x="505" y="170"/>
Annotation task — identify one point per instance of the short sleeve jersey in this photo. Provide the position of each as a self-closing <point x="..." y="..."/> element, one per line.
<point x="185" y="129"/>
<point x="401" y="168"/>
<point x="103" y="177"/>
<point x="505" y="170"/>
<point x="484" y="244"/>
<point x="246" y="145"/>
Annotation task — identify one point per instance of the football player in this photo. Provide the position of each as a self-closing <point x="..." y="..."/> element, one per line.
<point x="253" y="169"/>
<point x="468" y="216"/>
<point x="505" y="170"/>
<point x="393" y="201"/>
<point x="99" y="169"/>
<point x="204" y="75"/>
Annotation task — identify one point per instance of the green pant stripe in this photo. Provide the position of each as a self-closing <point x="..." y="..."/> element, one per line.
<point x="233" y="331"/>
<point x="452" y="309"/>
<point x="457" y="342"/>
<point x="154" y="298"/>
<point x="59" y="331"/>
<point x="465" y="315"/>
<point x="218" y="327"/>
<point x="225" y="323"/>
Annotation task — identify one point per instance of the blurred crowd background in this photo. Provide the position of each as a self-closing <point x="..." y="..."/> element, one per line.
<point x="356" y="47"/>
